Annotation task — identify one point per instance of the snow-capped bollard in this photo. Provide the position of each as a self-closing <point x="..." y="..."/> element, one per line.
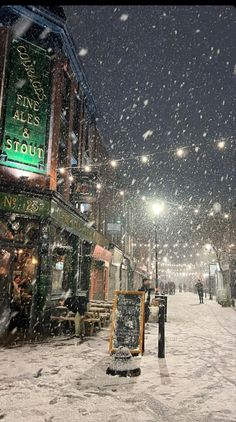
<point x="123" y="364"/>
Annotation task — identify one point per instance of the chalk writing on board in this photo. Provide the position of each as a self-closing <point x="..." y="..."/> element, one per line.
<point x="128" y="313"/>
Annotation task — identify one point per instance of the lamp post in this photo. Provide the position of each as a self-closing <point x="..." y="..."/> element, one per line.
<point x="156" y="256"/>
<point x="157" y="209"/>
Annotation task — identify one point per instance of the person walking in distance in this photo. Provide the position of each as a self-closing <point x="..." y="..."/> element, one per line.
<point x="199" y="287"/>
<point x="146" y="288"/>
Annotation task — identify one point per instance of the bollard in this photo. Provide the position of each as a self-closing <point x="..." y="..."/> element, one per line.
<point x="161" y="334"/>
<point x="123" y="364"/>
<point x="163" y="297"/>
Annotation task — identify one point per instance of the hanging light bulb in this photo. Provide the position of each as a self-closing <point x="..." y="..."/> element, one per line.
<point x="113" y="163"/>
<point x="221" y="144"/>
<point x="180" y="152"/>
<point x="144" y="159"/>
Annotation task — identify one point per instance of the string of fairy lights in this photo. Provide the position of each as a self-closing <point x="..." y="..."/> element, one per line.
<point x="181" y="152"/>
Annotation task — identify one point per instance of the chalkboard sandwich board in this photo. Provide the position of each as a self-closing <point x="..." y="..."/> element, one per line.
<point x="127" y="328"/>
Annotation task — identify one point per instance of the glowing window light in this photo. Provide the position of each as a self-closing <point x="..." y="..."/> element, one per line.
<point x="34" y="260"/>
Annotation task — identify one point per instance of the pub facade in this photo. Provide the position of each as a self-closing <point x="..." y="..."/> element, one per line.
<point x="48" y="121"/>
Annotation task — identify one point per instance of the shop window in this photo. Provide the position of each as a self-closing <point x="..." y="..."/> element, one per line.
<point x="13" y="228"/>
<point x="58" y="271"/>
<point x="64" y="265"/>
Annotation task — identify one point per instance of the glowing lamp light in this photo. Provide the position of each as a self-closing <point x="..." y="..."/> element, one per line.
<point x="99" y="186"/>
<point x="71" y="178"/>
<point x="144" y="159"/>
<point x="121" y="193"/>
<point x="180" y="152"/>
<point x="62" y="170"/>
<point x="87" y="169"/>
<point x="143" y="198"/>
<point x="157" y="208"/>
<point x="221" y="144"/>
<point x="113" y="163"/>
<point x="226" y="216"/>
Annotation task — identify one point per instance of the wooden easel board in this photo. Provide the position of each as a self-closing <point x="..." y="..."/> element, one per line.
<point x="127" y="327"/>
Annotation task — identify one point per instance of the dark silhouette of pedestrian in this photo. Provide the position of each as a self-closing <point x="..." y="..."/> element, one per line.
<point x="199" y="287"/>
<point x="146" y="288"/>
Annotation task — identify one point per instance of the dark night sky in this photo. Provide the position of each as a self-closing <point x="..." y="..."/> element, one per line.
<point x="168" y="70"/>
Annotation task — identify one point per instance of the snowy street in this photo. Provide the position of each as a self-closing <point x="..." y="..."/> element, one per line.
<point x="64" y="380"/>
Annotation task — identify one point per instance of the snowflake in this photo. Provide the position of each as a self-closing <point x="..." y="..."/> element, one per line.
<point x="124" y="17"/>
<point x="147" y="134"/>
<point x="83" y="52"/>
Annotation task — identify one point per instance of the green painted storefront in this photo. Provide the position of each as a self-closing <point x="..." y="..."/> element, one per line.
<point x="51" y="208"/>
<point x="53" y="217"/>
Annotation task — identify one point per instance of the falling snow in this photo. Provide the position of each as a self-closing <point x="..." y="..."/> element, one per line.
<point x="83" y="52"/>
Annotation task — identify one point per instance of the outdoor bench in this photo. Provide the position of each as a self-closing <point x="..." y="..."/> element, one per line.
<point x="89" y="321"/>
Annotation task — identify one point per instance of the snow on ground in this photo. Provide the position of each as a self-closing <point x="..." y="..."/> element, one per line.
<point x="64" y="380"/>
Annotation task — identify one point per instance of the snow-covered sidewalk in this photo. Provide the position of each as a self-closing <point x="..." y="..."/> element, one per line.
<point x="63" y="380"/>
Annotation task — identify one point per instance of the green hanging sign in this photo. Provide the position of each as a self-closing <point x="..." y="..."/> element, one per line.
<point x="27" y="108"/>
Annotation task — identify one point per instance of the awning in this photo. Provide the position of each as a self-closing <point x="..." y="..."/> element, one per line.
<point x="102" y="254"/>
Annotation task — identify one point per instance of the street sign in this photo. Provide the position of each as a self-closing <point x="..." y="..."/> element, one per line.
<point x="113" y="227"/>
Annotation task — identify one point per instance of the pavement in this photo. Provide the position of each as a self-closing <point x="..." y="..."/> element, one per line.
<point x="65" y="380"/>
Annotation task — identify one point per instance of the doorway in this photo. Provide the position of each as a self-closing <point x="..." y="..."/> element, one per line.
<point x="18" y="269"/>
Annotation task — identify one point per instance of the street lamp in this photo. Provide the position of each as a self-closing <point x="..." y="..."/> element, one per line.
<point x="157" y="209"/>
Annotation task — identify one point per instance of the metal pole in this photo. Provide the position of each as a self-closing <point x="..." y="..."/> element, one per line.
<point x="156" y="255"/>
<point x="210" y="293"/>
<point x="161" y="334"/>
